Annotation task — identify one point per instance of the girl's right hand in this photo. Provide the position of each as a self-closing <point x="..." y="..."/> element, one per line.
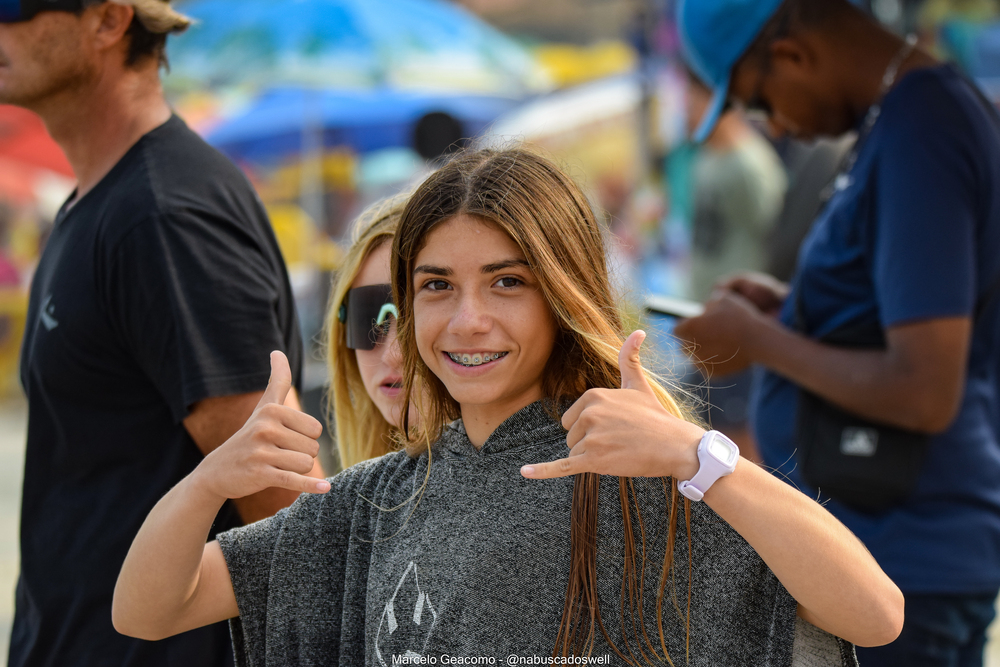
<point x="624" y="432"/>
<point x="275" y="448"/>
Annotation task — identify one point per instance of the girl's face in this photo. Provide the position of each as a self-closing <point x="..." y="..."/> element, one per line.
<point x="381" y="368"/>
<point x="483" y="326"/>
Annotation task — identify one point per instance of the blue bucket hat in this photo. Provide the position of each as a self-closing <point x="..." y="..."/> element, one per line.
<point x="714" y="36"/>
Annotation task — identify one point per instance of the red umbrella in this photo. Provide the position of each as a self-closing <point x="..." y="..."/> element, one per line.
<point x="23" y="139"/>
<point x="27" y="155"/>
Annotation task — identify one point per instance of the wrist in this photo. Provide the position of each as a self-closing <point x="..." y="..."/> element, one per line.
<point x="717" y="458"/>
<point x="758" y="336"/>
<point x="713" y="492"/>
<point x="684" y="463"/>
<point x="198" y="487"/>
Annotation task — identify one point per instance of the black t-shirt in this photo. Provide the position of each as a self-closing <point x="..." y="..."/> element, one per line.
<point x="161" y="287"/>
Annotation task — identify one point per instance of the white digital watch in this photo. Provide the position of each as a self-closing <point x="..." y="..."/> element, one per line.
<point x="717" y="457"/>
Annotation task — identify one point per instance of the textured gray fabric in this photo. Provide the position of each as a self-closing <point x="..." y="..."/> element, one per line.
<point x="815" y="648"/>
<point x="479" y="567"/>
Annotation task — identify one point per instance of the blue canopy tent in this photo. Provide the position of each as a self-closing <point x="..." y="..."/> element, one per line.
<point x="348" y="43"/>
<point x="284" y="121"/>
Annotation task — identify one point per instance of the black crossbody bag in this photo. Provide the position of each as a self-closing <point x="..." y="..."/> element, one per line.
<point x="864" y="464"/>
<point x="867" y="465"/>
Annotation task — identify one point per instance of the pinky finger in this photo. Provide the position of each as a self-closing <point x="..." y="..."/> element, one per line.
<point x="301" y="483"/>
<point x="559" y="468"/>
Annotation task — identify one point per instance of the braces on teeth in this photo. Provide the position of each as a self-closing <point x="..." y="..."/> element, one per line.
<point x="475" y="359"/>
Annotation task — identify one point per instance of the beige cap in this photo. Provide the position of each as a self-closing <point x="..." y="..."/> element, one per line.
<point x="158" y="16"/>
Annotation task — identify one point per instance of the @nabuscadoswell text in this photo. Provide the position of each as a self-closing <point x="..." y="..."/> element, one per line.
<point x="444" y="659"/>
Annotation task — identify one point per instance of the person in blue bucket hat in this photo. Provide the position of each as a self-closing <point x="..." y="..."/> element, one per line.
<point x="878" y="379"/>
<point x="714" y="36"/>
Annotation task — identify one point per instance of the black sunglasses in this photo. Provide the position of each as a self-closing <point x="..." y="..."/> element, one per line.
<point x="16" y="11"/>
<point x="365" y="315"/>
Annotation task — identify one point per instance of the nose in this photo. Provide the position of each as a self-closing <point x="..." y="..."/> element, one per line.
<point x="392" y="355"/>
<point x="471" y="316"/>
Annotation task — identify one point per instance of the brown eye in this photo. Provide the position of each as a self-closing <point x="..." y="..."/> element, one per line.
<point x="508" y="282"/>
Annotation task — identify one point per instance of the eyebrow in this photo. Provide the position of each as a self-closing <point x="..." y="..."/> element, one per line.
<point x="487" y="269"/>
<point x="505" y="264"/>
<point x="433" y="270"/>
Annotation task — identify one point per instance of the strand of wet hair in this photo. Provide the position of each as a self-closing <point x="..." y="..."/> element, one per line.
<point x="628" y="570"/>
<point x="668" y="565"/>
<point x="642" y="572"/>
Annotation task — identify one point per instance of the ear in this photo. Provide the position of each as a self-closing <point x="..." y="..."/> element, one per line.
<point x="111" y="22"/>
<point x="793" y="55"/>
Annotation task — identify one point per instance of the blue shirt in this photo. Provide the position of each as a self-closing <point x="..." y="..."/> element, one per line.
<point x="914" y="235"/>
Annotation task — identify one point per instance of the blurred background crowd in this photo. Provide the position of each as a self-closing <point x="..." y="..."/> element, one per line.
<point x="329" y="105"/>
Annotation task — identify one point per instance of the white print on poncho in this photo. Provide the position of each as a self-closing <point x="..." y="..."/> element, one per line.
<point x="407" y="635"/>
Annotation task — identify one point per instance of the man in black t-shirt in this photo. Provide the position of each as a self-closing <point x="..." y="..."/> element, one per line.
<point x="153" y="310"/>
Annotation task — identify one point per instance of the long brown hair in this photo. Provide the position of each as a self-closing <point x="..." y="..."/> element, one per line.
<point x="547" y="215"/>
<point x="361" y="430"/>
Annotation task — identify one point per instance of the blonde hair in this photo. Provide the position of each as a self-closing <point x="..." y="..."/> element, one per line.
<point x="547" y="215"/>
<point x="361" y="430"/>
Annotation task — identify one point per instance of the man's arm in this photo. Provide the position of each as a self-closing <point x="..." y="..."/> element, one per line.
<point x="214" y="420"/>
<point x="916" y="383"/>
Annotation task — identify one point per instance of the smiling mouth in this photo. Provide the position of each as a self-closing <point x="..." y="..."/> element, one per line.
<point x="472" y="360"/>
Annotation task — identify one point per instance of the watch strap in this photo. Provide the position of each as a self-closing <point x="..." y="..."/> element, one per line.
<point x="710" y="469"/>
<point x="689" y="490"/>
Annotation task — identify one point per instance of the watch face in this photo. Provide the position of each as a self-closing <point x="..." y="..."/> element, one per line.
<point x="722" y="451"/>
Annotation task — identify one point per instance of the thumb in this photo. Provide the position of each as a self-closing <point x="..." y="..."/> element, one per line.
<point x="633" y="376"/>
<point x="281" y="380"/>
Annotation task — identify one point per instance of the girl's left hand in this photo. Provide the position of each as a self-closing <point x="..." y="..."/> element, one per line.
<point x="624" y="432"/>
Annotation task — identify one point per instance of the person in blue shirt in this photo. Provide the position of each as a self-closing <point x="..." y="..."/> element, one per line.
<point x="908" y="243"/>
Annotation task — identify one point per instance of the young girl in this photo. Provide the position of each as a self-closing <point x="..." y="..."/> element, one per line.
<point x="536" y="513"/>
<point x="365" y="365"/>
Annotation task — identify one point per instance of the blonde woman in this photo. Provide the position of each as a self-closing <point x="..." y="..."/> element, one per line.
<point x="484" y="542"/>
<point x="365" y="366"/>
